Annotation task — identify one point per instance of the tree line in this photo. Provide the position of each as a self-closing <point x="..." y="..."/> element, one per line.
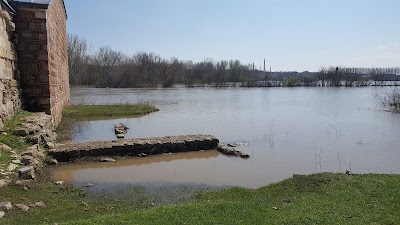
<point x="109" y="68"/>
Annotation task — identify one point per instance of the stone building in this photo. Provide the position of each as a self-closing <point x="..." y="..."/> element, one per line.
<point x="34" y="57"/>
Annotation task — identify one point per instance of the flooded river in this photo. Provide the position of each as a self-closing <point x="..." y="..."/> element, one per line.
<point x="287" y="131"/>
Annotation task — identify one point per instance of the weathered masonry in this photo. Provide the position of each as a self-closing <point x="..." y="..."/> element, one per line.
<point x="134" y="147"/>
<point x="34" y="58"/>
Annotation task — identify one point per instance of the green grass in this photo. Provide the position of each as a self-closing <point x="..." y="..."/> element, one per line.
<point x="63" y="203"/>
<point x="78" y="113"/>
<point x="8" y="137"/>
<point x="314" y="199"/>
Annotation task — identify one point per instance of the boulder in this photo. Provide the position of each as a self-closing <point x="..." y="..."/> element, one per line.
<point x="49" y="145"/>
<point x="17" y="161"/>
<point x="26" y="184"/>
<point x="120" y="130"/>
<point x="22" y="132"/>
<point x="33" y="140"/>
<point x="4" y="182"/>
<point x="22" y="207"/>
<point x="40" y="204"/>
<point x="52" y="162"/>
<point x="12" y="167"/>
<point x="2" y="214"/>
<point x="105" y="159"/>
<point x="5" y="148"/>
<point x="27" y="172"/>
<point x="230" y="151"/>
<point x="5" y="206"/>
<point x="59" y="182"/>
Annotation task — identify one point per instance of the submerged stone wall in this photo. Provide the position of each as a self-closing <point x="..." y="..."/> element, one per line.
<point x="134" y="147"/>
<point x="10" y="99"/>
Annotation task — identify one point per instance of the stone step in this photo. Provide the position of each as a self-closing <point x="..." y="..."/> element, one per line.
<point x="134" y="147"/>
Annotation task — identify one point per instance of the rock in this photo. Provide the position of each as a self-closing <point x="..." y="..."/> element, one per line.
<point x="5" y="206"/>
<point x="2" y="214"/>
<point x="27" y="160"/>
<point x="12" y="167"/>
<point x="29" y="153"/>
<point x="33" y="140"/>
<point x="28" y="184"/>
<point x="22" y="132"/>
<point x="152" y="204"/>
<point x="230" y="151"/>
<point x="89" y="185"/>
<point x="49" y="145"/>
<point x="120" y="130"/>
<point x="5" y="148"/>
<point x="22" y="207"/>
<point x="40" y="204"/>
<point x="27" y="172"/>
<point x="52" y="162"/>
<point x="232" y="145"/>
<point x="59" y="182"/>
<point x="142" y="155"/>
<point x="105" y="159"/>
<point x="4" y="182"/>
<point x="17" y="161"/>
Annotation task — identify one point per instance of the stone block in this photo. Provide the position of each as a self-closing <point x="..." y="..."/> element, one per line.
<point x="10" y="107"/>
<point x="26" y="35"/>
<point x="40" y="15"/>
<point x="10" y="26"/>
<point x="43" y="26"/>
<point x="5" y="206"/>
<point x="33" y="47"/>
<point x="42" y="36"/>
<point x="32" y="26"/>
<point x="44" y="78"/>
<point x="27" y="172"/>
<point x="45" y="101"/>
<point x="35" y="66"/>
<point x="14" y="83"/>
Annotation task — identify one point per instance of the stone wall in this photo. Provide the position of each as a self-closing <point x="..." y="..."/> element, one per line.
<point x="33" y="58"/>
<point x="58" y="59"/>
<point x="9" y="77"/>
<point x="43" y="57"/>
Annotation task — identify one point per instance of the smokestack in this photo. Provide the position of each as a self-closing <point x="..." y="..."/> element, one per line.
<point x="264" y="65"/>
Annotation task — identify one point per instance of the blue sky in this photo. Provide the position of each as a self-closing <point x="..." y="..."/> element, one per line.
<point x="291" y="34"/>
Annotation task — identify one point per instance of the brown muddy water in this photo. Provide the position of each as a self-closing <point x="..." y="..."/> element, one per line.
<point x="287" y="131"/>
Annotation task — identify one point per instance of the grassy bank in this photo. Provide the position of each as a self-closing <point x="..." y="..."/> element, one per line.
<point x="9" y="137"/>
<point x="313" y="199"/>
<point x="78" y="113"/>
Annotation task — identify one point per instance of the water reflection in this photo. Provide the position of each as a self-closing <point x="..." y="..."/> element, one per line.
<point x="289" y="130"/>
<point x="124" y="168"/>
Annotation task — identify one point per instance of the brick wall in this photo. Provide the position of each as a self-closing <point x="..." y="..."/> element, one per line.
<point x="9" y="77"/>
<point x="30" y="27"/>
<point x="58" y="59"/>
<point x="43" y="57"/>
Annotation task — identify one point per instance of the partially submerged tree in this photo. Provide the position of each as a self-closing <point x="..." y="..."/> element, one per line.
<point x="390" y="100"/>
